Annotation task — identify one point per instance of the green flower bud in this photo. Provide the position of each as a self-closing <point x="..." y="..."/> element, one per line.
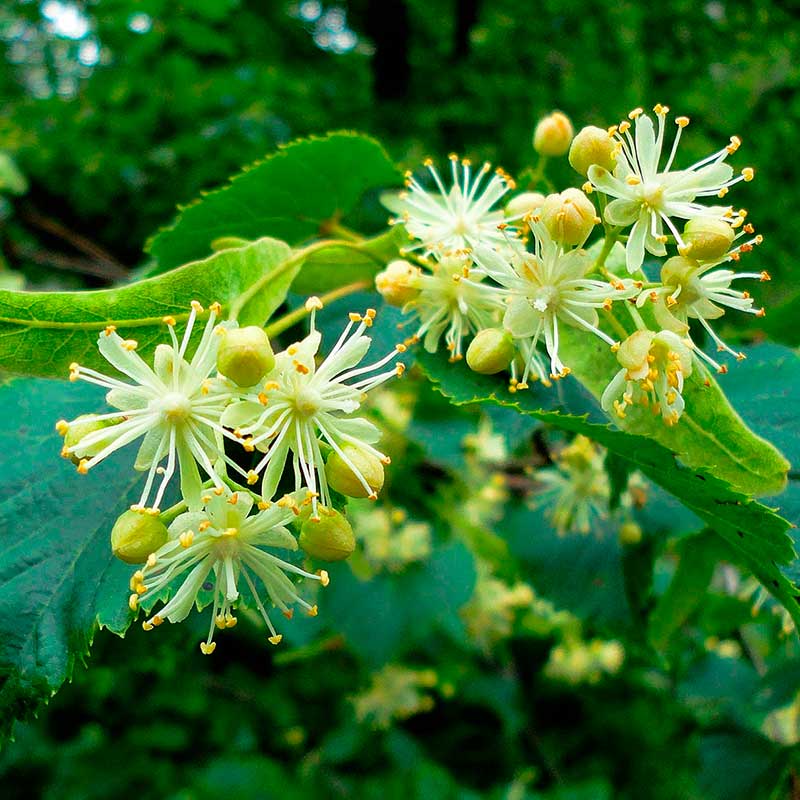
<point x="569" y="216"/>
<point x="592" y="145"/>
<point x="245" y="355"/>
<point x="525" y="203"/>
<point x="553" y="135"/>
<point x="79" y="428"/>
<point x="396" y="283"/>
<point x="135" y="535"/>
<point x="329" y="538"/>
<point x="707" y="239"/>
<point x="630" y="533"/>
<point x="490" y="351"/>
<point x="344" y="480"/>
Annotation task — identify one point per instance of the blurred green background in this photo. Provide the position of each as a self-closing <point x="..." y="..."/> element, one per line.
<point x="442" y="675"/>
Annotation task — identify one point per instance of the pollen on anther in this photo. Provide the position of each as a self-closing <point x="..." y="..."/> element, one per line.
<point x="276" y="639"/>
<point x="168" y="320"/>
<point x="324" y="579"/>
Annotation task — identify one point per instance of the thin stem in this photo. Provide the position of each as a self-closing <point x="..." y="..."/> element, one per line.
<point x="339" y="231"/>
<point x="300" y="255"/>
<point x="618" y="327"/>
<point x="293" y="317"/>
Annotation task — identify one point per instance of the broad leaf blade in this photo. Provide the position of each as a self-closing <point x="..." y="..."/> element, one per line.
<point x="58" y="577"/>
<point x="290" y="195"/>
<point x="756" y="531"/>
<point x="41" y="333"/>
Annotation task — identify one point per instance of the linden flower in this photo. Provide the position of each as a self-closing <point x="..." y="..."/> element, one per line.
<point x="654" y="366"/>
<point x="544" y="288"/>
<point x="301" y="405"/>
<point x="457" y="218"/>
<point x="225" y="546"/>
<point x="697" y="290"/>
<point x="648" y="197"/>
<point x="173" y="405"/>
<point x="577" y="488"/>
<point x="451" y="301"/>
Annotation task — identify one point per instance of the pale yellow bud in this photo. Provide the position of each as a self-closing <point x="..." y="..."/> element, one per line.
<point x="396" y="283"/>
<point x="330" y="538"/>
<point x="344" y="480"/>
<point x="569" y="216"/>
<point x="245" y="355"/>
<point x="553" y="135"/>
<point x="136" y="535"/>
<point x="525" y="203"/>
<point x="592" y="145"/>
<point x="630" y="533"/>
<point x="707" y="239"/>
<point x="490" y="351"/>
<point x="80" y="428"/>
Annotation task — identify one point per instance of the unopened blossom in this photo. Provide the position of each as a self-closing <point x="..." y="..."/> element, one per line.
<point x="173" y="406"/>
<point x="650" y="193"/>
<point x="302" y="407"/>
<point x="228" y="547"/>
<point x="546" y="288"/>
<point x="461" y="216"/>
<point x="703" y="291"/>
<point x="452" y="302"/>
<point x="654" y="367"/>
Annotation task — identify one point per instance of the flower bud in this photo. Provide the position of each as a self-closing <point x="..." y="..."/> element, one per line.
<point x="396" y="283"/>
<point x="630" y="533"/>
<point x="569" y="217"/>
<point x="490" y="351"/>
<point x="329" y="538"/>
<point x="245" y="355"/>
<point x="78" y="429"/>
<point x="553" y="135"/>
<point x="344" y="480"/>
<point x="707" y="239"/>
<point x="592" y="145"/>
<point x="135" y="535"/>
<point x="525" y="203"/>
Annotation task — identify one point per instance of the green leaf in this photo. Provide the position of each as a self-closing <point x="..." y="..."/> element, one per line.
<point x="338" y="266"/>
<point x="291" y="195"/>
<point x="764" y="388"/>
<point x="58" y="578"/>
<point x="687" y="589"/>
<point x="41" y="333"/>
<point x="710" y="434"/>
<point x="755" y="531"/>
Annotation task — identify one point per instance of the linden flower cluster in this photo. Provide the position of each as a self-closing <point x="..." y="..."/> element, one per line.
<point x="504" y="285"/>
<point x="224" y="541"/>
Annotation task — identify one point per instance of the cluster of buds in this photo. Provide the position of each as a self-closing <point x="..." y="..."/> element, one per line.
<point x="501" y="284"/>
<point x="277" y="408"/>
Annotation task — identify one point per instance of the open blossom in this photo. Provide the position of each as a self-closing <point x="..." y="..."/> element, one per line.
<point x="654" y="366"/>
<point x="452" y="301"/>
<point x="699" y="290"/>
<point x="173" y="406"/>
<point x="649" y="196"/>
<point x="544" y="289"/>
<point x="451" y="219"/>
<point x="576" y="489"/>
<point x="301" y="408"/>
<point x="228" y="547"/>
